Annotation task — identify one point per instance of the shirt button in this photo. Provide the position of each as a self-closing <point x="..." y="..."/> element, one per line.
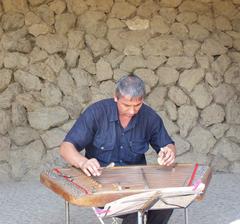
<point x="102" y="147"/>
<point x="121" y="147"/>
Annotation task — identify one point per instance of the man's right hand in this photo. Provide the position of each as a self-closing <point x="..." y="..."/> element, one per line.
<point x="71" y="155"/>
<point x="91" y="167"/>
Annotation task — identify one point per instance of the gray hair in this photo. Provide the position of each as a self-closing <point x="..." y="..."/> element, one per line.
<point x="130" y="85"/>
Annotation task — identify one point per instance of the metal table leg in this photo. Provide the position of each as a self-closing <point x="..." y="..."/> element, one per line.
<point x="186" y="215"/>
<point x="67" y="215"/>
<point x="140" y="217"/>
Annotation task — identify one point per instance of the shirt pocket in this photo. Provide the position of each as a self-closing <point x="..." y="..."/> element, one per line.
<point x="102" y="143"/>
<point x="138" y="146"/>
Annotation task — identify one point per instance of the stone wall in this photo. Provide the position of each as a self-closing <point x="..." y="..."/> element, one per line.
<point x="58" y="56"/>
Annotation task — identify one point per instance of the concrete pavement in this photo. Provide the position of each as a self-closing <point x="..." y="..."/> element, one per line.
<point x="29" y="202"/>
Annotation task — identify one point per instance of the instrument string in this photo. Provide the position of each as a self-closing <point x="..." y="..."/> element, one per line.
<point x="118" y="178"/>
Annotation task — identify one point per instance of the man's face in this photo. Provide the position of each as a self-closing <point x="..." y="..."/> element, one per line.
<point x="128" y="106"/>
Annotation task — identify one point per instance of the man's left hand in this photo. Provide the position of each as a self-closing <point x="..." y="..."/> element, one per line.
<point x="166" y="156"/>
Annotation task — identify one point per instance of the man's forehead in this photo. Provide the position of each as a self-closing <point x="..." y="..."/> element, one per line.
<point x="131" y="99"/>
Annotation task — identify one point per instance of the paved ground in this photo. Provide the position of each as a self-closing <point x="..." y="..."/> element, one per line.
<point x="29" y="202"/>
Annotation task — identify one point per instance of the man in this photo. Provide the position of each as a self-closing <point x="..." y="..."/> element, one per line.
<point x="120" y="130"/>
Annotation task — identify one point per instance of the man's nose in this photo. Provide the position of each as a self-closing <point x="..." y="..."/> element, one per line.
<point x="132" y="110"/>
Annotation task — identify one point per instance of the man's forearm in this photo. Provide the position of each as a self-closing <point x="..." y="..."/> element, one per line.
<point x="71" y="155"/>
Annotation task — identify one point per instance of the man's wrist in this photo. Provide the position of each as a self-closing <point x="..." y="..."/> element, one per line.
<point x="172" y="148"/>
<point x="80" y="163"/>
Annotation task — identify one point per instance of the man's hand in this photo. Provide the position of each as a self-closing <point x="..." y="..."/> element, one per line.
<point x="167" y="154"/>
<point x="72" y="156"/>
<point x="91" y="167"/>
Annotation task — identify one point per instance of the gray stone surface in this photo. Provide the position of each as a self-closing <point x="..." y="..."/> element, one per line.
<point x="27" y="80"/>
<point x="99" y="46"/>
<point x="12" y="21"/>
<point x="43" y="71"/>
<point x="167" y="76"/>
<point x="92" y="22"/>
<point x="137" y="23"/>
<point x="122" y="10"/>
<point x="15" y="60"/>
<point x="132" y="62"/>
<point x="23" y="135"/>
<point x="8" y="95"/>
<point x="104" y="70"/>
<point x="158" y="25"/>
<point x="201" y="95"/>
<point x="197" y="135"/>
<point x="189" y="78"/>
<point x="187" y="119"/>
<point x="53" y="138"/>
<point x="178" y="96"/>
<point x="58" y="56"/>
<point x="164" y="46"/>
<point x="39" y="29"/>
<point x="157" y="95"/>
<point x="212" y="114"/>
<point x="169" y="124"/>
<point x="6" y="76"/>
<point x="4" y="148"/>
<point x="25" y="158"/>
<point x="52" y="43"/>
<point x="49" y="117"/>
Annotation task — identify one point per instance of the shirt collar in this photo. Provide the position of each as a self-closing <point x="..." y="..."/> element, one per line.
<point x="114" y="113"/>
<point x="133" y="122"/>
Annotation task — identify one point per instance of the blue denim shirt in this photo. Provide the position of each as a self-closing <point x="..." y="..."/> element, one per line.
<point x="99" y="131"/>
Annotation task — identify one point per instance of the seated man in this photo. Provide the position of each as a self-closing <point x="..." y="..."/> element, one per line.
<point x="120" y="130"/>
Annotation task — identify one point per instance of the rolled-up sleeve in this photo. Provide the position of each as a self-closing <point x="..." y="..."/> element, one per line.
<point x="82" y="132"/>
<point x="159" y="135"/>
